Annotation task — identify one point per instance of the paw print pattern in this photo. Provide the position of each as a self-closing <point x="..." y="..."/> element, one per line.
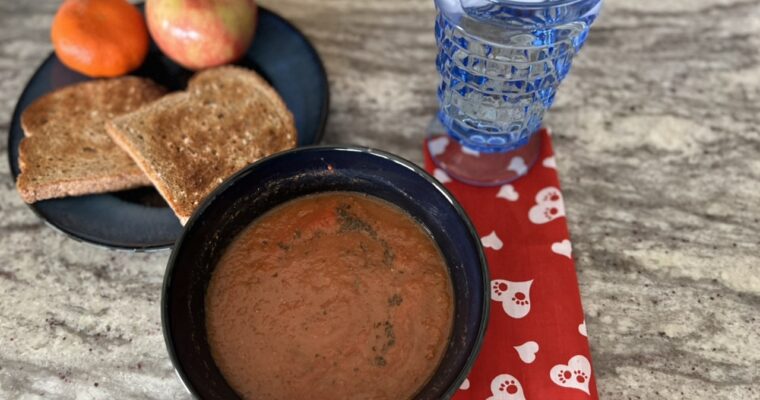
<point x="520" y="299"/>
<point x="574" y="375"/>
<point x="506" y="387"/>
<point x="549" y="206"/>
<point x="564" y="376"/>
<point x="499" y="287"/>
<point x="580" y="376"/>
<point x="513" y="296"/>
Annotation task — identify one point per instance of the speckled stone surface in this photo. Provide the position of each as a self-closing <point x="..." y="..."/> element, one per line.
<point x="658" y="145"/>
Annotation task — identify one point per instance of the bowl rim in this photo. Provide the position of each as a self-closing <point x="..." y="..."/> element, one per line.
<point x="166" y="288"/>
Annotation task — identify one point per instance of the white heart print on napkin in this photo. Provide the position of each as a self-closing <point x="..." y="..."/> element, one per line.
<point x="563" y="248"/>
<point x="441" y="175"/>
<point x="465" y="385"/>
<point x="575" y="375"/>
<point x="527" y="351"/>
<point x="513" y="296"/>
<point x="549" y="206"/>
<point x="467" y="150"/>
<point x="508" y="192"/>
<point x="550" y="162"/>
<point x="506" y="387"/>
<point x="582" y="328"/>
<point x="517" y="165"/>
<point x="438" y="145"/>
<point x="492" y="241"/>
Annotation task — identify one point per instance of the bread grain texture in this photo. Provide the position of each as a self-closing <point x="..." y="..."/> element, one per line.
<point x="66" y="150"/>
<point x="188" y="142"/>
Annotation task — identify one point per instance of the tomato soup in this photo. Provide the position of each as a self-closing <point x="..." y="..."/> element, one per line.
<point x="336" y="295"/>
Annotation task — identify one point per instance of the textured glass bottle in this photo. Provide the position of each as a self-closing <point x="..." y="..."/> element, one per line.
<point x="500" y="64"/>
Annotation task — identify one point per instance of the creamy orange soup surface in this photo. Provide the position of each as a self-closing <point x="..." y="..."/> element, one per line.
<point x="337" y="295"/>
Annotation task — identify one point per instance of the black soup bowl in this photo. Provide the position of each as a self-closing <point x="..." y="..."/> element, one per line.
<point x="292" y="174"/>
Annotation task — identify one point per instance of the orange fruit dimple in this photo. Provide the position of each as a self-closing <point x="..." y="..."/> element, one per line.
<point x="100" y="38"/>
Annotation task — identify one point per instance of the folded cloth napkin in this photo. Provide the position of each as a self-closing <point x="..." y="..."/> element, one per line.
<point x="536" y="346"/>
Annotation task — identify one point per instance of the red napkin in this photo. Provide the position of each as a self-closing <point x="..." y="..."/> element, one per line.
<point x="535" y="346"/>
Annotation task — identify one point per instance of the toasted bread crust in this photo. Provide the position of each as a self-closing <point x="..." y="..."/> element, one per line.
<point x="189" y="142"/>
<point x="66" y="150"/>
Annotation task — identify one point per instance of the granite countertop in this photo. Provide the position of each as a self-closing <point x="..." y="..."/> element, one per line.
<point x="657" y="139"/>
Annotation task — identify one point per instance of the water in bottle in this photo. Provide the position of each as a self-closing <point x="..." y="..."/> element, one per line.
<point x="500" y="64"/>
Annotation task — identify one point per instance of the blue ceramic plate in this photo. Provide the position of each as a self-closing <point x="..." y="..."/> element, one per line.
<point x="139" y="219"/>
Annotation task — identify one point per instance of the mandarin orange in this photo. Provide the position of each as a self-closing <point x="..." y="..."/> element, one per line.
<point x="100" y="38"/>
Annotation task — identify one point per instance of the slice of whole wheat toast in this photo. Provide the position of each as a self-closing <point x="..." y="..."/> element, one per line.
<point x="67" y="152"/>
<point x="189" y="142"/>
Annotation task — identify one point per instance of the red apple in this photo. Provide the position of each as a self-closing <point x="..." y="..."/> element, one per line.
<point x="201" y="34"/>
